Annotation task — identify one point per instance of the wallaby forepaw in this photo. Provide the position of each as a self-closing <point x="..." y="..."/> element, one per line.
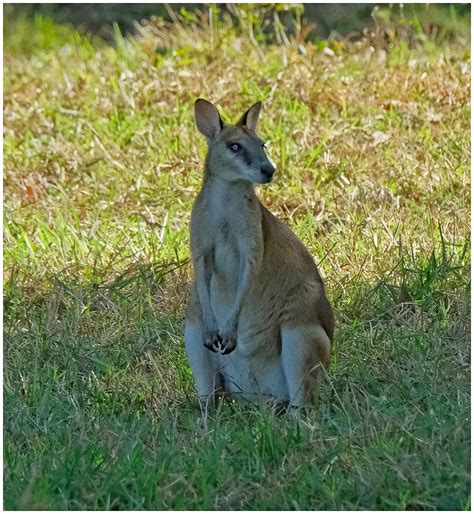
<point x="229" y="342"/>
<point x="213" y="341"/>
<point x="223" y="344"/>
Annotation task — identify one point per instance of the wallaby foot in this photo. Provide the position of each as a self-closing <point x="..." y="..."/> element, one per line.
<point x="207" y="378"/>
<point x="305" y="351"/>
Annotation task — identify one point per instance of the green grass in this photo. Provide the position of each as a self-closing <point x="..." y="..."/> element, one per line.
<point x="102" y="162"/>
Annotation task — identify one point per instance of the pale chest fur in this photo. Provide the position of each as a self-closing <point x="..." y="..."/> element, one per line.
<point x="226" y="244"/>
<point x="235" y="232"/>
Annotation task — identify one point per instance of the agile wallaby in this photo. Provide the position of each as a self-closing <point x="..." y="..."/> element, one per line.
<point x="258" y="323"/>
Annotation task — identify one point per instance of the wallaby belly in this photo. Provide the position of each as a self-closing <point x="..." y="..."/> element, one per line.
<point x="253" y="371"/>
<point x="253" y="378"/>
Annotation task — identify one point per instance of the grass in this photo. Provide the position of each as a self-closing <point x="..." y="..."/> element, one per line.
<point x="102" y="162"/>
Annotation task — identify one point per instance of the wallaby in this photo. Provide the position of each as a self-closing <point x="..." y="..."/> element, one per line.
<point x="258" y="323"/>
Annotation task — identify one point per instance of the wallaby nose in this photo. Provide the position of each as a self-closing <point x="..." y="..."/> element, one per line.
<point x="268" y="170"/>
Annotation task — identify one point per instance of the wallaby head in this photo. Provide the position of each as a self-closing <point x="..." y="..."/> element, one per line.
<point x="235" y="152"/>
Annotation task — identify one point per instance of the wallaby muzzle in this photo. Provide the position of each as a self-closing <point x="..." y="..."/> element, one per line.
<point x="267" y="171"/>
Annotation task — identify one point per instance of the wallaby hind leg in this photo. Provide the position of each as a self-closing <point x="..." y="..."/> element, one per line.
<point x="305" y="350"/>
<point x="206" y="376"/>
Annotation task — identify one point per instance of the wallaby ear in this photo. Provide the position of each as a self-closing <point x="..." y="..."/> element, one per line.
<point x="250" y="118"/>
<point x="208" y="119"/>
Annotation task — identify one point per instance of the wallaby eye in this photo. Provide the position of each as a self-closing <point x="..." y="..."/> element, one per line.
<point x="235" y="147"/>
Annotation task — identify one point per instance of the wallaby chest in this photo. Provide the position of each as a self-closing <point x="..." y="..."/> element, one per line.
<point x="226" y="241"/>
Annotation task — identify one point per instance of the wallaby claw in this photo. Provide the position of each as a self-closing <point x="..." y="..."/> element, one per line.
<point x="223" y="344"/>
<point x="213" y="341"/>
<point x="229" y="342"/>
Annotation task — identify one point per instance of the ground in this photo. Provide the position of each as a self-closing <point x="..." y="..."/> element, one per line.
<point x="102" y="161"/>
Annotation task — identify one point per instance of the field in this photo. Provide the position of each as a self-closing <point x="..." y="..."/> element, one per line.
<point x="102" y="161"/>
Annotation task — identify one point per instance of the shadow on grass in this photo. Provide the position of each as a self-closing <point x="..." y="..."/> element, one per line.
<point x="99" y="407"/>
